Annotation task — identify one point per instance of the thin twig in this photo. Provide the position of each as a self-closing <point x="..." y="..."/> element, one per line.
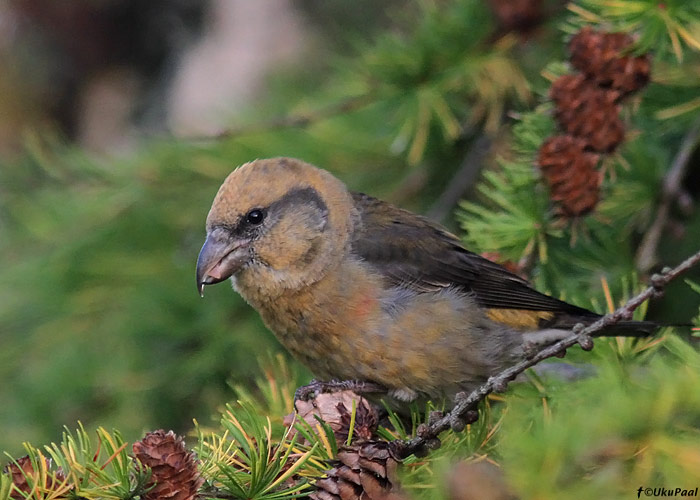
<point x="428" y="434"/>
<point x="297" y="120"/>
<point x="646" y="254"/>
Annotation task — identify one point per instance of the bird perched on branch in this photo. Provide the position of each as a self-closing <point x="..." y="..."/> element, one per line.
<point x="357" y="289"/>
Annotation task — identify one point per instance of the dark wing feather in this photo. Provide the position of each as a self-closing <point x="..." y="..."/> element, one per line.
<point x="415" y="252"/>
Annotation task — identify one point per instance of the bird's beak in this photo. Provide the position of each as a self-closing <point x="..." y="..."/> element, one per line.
<point x="219" y="259"/>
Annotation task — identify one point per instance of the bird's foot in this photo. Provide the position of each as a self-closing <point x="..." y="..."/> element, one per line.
<point x="316" y="387"/>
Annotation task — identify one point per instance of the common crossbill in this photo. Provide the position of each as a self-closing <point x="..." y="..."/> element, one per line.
<point x="358" y="289"/>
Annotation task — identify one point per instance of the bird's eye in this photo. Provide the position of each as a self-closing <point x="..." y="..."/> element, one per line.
<point x="255" y="216"/>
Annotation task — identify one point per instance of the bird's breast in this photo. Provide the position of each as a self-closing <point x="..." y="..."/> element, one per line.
<point x="351" y="325"/>
<point x="323" y="323"/>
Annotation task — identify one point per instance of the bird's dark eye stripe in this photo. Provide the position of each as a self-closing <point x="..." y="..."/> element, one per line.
<point x="255" y="216"/>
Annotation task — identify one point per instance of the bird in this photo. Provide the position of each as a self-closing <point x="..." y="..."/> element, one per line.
<point x="357" y="289"/>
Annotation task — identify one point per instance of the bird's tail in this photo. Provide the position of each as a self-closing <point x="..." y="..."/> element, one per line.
<point x="629" y="329"/>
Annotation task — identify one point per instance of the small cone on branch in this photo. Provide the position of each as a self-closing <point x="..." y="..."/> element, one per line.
<point x="587" y="111"/>
<point x="570" y="172"/>
<point x="603" y="57"/>
<point x="174" y="474"/>
<point x="365" y="470"/>
<point x="517" y="15"/>
<point x="23" y="469"/>
<point x="335" y="409"/>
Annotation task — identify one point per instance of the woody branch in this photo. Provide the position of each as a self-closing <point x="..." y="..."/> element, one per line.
<point x="427" y="435"/>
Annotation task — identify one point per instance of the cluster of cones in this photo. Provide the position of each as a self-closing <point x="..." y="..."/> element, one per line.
<point x="174" y="473"/>
<point x="366" y="467"/>
<point x="588" y="114"/>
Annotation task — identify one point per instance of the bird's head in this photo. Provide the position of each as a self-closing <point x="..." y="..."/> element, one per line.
<point x="275" y="224"/>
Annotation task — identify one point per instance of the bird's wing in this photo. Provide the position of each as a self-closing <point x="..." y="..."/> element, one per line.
<point x="412" y="251"/>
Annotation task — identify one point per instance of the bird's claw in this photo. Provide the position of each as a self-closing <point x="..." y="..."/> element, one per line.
<point x="307" y="392"/>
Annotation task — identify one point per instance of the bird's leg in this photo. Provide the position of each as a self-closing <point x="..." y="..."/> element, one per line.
<point x="316" y="387"/>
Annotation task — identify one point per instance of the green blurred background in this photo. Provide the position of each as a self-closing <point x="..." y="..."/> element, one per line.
<point x="108" y="110"/>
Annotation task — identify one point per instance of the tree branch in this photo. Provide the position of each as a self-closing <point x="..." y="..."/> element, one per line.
<point x="646" y="254"/>
<point x="427" y="435"/>
<point x="297" y="120"/>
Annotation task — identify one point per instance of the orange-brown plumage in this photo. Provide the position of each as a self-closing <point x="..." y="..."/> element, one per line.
<point x="356" y="288"/>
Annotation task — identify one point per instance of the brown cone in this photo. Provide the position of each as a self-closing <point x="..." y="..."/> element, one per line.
<point x="364" y="470"/>
<point x="587" y="111"/>
<point x="23" y="469"/>
<point x="601" y="56"/>
<point x="517" y="15"/>
<point x="174" y="474"/>
<point x="19" y="473"/>
<point x="570" y="172"/>
<point x="336" y="409"/>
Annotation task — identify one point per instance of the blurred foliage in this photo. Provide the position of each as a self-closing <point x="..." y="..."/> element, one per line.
<point x="631" y="425"/>
<point x="663" y="27"/>
<point x="100" y="319"/>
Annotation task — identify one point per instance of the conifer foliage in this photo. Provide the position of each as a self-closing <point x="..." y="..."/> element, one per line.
<point x="587" y="109"/>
